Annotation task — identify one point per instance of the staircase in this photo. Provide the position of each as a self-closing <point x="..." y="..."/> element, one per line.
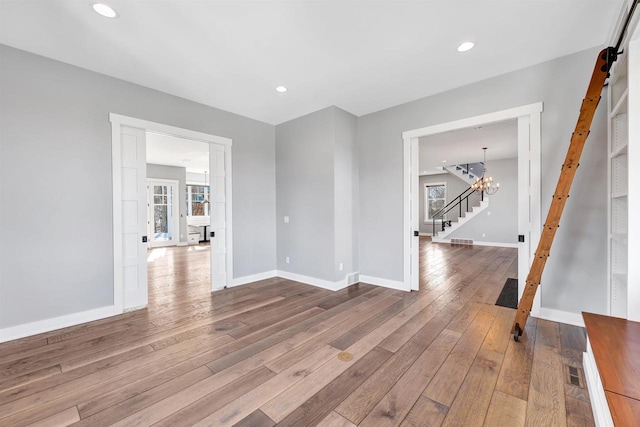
<point x="468" y="172"/>
<point x="466" y="205"/>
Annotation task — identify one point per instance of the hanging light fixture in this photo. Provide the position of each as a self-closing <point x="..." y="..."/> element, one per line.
<point x="485" y="183"/>
<point x="206" y="184"/>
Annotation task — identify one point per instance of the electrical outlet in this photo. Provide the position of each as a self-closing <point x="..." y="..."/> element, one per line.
<point x="286" y="220"/>
<point x="341" y="266"/>
<point x="286" y="259"/>
<point x="484" y="235"/>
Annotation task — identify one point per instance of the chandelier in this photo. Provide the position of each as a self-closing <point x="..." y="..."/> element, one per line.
<point x="484" y="183"/>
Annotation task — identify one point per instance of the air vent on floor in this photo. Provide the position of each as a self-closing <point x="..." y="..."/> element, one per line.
<point x="574" y="376"/>
<point x="467" y="242"/>
<point x="353" y="278"/>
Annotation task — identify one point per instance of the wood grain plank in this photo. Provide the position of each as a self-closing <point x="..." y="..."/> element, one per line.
<point x="124" y="401"/>
<point x="31" y="377"/>
<point x="335" y="420"/>
<point x="506" y="410"/>
<point x="364" y="399"/>
<point x="256" y="419"/>
<point x="397" y="403"/>
<point x="196" y="411"/>
<point x="249" y="402"/>
<point x="546" y="400"/>
<point x="425" y="412"/>
<point x="515" y="374"/>
<point x="579" y="413"/>
<point x="443" y="388"/>
<point x="322" y="403"/>
<point x="63" y="418"/>
<point x="472" y="401"/>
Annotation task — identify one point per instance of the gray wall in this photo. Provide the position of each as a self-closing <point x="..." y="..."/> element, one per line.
<point x="575" y="276"/>
<point x="304" y="179"/>
<point x="499" y="222"/>
<point x="316" y="178"/>
<point x="56" y="254"/>
<point x="455" y="186"/>
<point x="179" y="174"/>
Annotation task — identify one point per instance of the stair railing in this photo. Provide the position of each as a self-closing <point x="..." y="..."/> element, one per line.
<point x="466" y="197"/>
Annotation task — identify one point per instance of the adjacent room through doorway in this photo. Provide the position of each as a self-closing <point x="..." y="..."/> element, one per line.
<point x="468" y="197"/>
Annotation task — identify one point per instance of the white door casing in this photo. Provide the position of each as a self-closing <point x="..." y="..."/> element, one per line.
<point x="133" y="173"/>
<point x="224" y="271"/>
<point x="529" y="219"/>
<point x="218" y="217"/>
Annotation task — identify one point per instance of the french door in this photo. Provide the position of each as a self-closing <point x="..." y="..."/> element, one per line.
<point x="163" y="212"/>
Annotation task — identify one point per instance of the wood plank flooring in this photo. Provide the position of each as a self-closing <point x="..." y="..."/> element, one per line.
<point x="266" y="354"/>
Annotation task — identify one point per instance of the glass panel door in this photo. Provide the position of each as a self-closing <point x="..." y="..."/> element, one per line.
<point x="163" y="213"/>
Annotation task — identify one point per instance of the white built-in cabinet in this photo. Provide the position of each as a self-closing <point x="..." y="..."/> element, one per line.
<point x="624" y="191"/>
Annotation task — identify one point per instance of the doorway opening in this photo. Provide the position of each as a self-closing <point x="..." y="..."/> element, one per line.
<point x="140" y="223"/>
<point x="528" y="183"/>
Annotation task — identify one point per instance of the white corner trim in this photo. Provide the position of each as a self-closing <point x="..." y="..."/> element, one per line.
<point x="385" y="283"/>
<point x="561" y="316"/>
<point x="47" y="325"/>
<point x="321" y="283"/>
<point x="239" y="281"/>
<point x="599" y="406"/>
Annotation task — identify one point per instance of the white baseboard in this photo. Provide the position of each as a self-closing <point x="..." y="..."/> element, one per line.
<point x="479" y="243"/>
<point x="385" y="283"/>
<point x="599" y="406"/>
<point x="183" y="244"/>
<point x="321" y="283"/>
<point x="239" y="281"/>
<point x="47" y="325"/>
<point x="561" y="316"/>
<point x="425" y="234"/>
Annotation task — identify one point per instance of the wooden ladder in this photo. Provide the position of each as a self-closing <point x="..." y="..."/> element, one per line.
<point x="605" y="59"/>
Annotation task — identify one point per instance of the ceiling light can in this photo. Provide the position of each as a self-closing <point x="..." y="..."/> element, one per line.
<point x="466" y="46"/>
<point x="105" y="10"/>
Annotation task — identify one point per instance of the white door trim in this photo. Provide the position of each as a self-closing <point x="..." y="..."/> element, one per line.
<point x="117" y="122"/>
<point x="529" y="143"/>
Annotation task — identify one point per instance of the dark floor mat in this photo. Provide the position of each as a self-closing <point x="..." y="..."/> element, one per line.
<point x="509" y="295"/>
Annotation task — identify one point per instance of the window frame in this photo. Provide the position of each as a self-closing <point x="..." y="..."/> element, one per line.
<point x="190" y="202"/>
<point x="427" y="218"/>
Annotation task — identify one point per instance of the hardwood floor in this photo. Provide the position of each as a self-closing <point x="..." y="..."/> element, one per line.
<point x="267" y="353"/>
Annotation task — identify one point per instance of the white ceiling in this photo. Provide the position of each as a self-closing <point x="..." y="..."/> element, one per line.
<point x="361" y="56"/>
<point x="173" y="151"/>
<point x="465" y="146"/>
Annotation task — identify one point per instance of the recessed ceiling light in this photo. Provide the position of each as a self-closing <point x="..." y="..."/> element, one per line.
<point x="444" y="161"/>
<point x="281" y="89"/>
<point x="466" y="46"/>
<point x="104" y="10"/>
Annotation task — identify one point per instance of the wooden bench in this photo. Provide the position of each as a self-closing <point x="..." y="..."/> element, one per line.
<point x="612" y="367"/>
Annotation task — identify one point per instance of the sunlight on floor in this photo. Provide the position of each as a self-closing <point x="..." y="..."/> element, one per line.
<point x="156" y="253"/>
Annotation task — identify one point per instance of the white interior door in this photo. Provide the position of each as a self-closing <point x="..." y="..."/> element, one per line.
<point x="218" y="215"/>
<point x="163" y="214"/>
<point x="134" y="217"/>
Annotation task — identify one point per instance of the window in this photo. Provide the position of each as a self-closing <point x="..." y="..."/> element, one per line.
<point x="434" y="199"/>
<point x="198" y="200"/>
